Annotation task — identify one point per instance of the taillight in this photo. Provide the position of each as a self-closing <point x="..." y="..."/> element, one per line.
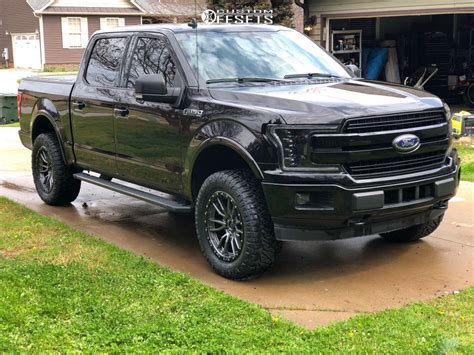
<point x="19" y="98"/>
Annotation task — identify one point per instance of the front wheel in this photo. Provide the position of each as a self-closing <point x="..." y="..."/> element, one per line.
<point x="53" y="179"/>
<point x="234" y="228"/>
<point x="413" y="233"/>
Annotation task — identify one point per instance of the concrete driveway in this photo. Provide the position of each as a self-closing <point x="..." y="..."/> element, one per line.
<point x="313" y="283"/>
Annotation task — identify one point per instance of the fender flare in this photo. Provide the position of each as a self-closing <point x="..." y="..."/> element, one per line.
<point x="202" y="141"/>
<point x="236" y="147"/>
<point x="54" y="119"/>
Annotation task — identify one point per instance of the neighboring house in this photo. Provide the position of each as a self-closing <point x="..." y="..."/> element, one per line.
<point x="38" y="33"/>
<point x="19" y="32"/>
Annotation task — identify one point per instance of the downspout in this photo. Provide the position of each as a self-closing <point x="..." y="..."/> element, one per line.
<point x="41" y="33"/>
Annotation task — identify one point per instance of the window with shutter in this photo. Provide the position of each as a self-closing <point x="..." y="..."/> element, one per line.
<point x="111" y="22"/>
<point x="75" y="32"/>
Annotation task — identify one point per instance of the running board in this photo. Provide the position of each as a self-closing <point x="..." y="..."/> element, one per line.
<point x="169" y="204"/>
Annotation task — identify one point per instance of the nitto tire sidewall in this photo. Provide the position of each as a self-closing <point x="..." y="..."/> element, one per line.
<point x="201" y="222"/>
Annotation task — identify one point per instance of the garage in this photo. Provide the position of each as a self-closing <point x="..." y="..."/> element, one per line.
<point x="417" y="43"/>
<point x="26" y="50"/>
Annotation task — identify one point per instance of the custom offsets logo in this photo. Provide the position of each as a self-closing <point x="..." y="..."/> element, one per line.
<point x="238" y="17"/>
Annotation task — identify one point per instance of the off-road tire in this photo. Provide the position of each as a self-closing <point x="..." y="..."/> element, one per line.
<point x="259" y="247"/>
<point x="413" y="233"/>
<point x="64" y="187"/>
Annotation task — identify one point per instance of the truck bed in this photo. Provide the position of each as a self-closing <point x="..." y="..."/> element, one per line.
<point x="48" y="95"/>
<point x="51" y="84"/>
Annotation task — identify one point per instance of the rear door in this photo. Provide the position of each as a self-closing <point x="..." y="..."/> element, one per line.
<point x="93" y="101"/>
<point x="151" y="137"/>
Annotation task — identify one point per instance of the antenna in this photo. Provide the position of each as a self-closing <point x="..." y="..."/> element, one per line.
<point x="193" y="24"/>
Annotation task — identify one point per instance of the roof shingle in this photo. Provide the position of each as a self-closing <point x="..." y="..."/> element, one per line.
<point x="91" y="10"/>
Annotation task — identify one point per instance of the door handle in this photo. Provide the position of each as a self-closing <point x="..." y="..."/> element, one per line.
<point x="121" y="112"/>
<point x="79" y="105"/>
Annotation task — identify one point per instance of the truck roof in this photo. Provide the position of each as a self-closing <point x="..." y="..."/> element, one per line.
<point x="184" y="27"/>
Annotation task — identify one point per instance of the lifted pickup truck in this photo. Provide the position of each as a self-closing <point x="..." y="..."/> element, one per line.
<point x="259" y="131"/>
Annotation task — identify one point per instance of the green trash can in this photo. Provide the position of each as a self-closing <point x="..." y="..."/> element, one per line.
<point x="8" y="109"/>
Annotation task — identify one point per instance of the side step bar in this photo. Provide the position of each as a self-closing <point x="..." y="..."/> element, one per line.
<point x="169" y="204"/>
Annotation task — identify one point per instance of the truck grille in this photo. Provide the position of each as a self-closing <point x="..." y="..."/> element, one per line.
<point x="394" y="122"/>
<point x="396" y="166"/>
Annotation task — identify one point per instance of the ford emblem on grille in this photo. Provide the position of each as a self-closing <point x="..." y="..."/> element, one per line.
<point x="406" y="143"/>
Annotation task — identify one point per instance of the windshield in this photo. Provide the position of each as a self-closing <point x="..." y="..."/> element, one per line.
<point x="258" y="54"/>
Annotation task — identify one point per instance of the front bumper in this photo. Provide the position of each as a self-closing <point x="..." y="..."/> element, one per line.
<point x="324" y="211"/>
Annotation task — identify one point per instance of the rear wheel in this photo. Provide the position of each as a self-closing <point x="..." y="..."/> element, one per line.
<point x="413" y="233"/>
<point x="53" y="179"/>
<point x="234" y="228"/>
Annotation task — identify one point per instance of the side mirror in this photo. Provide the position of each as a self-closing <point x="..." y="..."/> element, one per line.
<point x="153" y="88"/>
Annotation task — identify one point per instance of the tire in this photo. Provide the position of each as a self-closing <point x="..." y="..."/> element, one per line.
<point x="250" y="247"/>
<point x="413" y="233"/>
<point x="53" y="178"/>
<point x="469" y="96"/>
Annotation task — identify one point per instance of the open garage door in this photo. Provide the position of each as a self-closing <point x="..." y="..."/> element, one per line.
<point x="26" y="50"/>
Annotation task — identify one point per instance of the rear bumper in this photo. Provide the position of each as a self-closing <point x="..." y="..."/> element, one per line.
<point x="331" y="211"/>
<point x="25" y="139"/>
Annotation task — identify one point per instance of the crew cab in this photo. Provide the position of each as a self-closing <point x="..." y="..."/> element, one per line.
<point x="257" y="130"/>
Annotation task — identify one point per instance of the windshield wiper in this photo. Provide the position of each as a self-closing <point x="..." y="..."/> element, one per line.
<point x="310" y="75"/>
<point x="242" y="80"/>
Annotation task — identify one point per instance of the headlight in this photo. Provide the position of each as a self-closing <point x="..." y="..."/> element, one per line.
<point x="447" y="110"/>
<point x="294" y="150"/>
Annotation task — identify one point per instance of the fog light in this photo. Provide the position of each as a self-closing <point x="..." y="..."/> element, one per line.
<point x="302" y="199"/>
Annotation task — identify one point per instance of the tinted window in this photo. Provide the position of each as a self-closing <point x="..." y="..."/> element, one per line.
<point x="105" y="60"/>
<point x="152" y="56"/>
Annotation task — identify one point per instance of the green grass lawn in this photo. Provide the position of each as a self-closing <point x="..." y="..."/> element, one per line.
<point x="14" y="124"/>
<point x="63" y="290"/>
<point x="466" y="152"/>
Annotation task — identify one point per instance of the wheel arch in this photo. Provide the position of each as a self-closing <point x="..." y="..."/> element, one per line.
<point x="215" y="149"/>
<point x="46" y="118"/>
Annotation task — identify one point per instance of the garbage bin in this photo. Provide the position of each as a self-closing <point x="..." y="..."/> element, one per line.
<point x="8" y="109"/>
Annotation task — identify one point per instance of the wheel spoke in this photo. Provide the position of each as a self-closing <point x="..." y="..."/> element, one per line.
<point x="237" y="244"/>
<point x="217" y="229"/>
<point x="232" y="241"/>
<point x="223" y="239"/>
<point x="221" y="212"/>
<point x="226" y="244"/>
<point x="43" y="158"/>
<point x="221" y="206"/>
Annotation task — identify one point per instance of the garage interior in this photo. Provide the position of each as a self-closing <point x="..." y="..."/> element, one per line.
<point x="400" y="47"/>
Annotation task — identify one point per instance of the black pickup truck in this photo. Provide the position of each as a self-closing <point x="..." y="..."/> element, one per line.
<point x="255" y="128"/>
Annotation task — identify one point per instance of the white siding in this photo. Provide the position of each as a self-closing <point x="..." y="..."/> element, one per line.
<point x="93" y="3"/>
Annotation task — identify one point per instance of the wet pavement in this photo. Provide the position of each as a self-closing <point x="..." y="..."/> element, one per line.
<point x="313" y="283"/>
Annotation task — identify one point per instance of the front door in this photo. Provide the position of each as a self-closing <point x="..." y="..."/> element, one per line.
<point x="93" y="102"/>
<point x="151" y="138"/>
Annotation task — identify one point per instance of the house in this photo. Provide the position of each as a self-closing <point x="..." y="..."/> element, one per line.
<point x="39" y="33"/>
<point x="419" y="33"/>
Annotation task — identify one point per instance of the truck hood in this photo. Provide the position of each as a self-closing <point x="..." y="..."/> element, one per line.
<point x="327" y="103"/>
